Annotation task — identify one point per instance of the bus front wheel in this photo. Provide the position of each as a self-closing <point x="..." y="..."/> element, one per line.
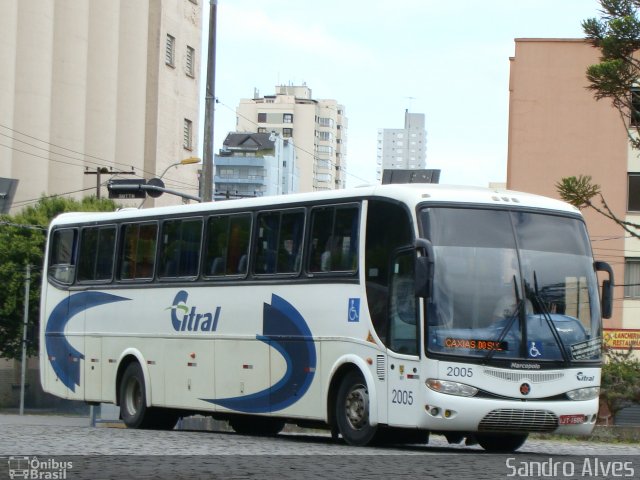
<point x="352" y="410"/>
<point x="501" y="443"/>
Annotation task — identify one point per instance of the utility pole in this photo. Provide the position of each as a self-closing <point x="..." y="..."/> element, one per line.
<point x="23" y="373"/>
<point x="104" y="170"/>
<point x="209" y="104"/>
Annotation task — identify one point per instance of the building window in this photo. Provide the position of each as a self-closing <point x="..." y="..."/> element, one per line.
<point x="635" y="107"/>
<point x="189" y="62"/>
<point x="633" y="192"/>
<point x="170" y="51"/>
<point x="287" y="118"/>
<point x="328" y="149"/>
<point x="325" y="122"/>
<point x="187" y="141"/>
<point x="262" y="130"/>
<point x="287" y="132"/>
<point x="325" y="136"/>
<point x="262" y="118"/>
<point x="632" y="278"/>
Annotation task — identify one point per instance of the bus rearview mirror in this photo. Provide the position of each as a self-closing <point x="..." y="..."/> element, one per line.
<point x="607" y="289"/>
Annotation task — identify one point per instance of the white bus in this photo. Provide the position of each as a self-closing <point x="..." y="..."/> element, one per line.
<point x="386" y="312"/>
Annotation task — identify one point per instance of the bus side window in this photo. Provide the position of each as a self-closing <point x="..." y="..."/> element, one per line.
<point x="267" y="242"/>
<point x="180" y="248"/>
<point x="62" y="258"/>
<point x="278" y="246"/>
<point x="227" y="245"/>
<point x="403" y="324"/>
<point x="95" y="258"/>
<point x="138" y="251"/>
<point x="334" y="239"/>
<point x="290" y="243"/>
<point x="388" y="228"/>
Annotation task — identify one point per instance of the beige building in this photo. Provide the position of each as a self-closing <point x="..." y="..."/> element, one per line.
<point x="557" y="129"/>
<point x="88" y="85"/>
<point x="318" y="128"/>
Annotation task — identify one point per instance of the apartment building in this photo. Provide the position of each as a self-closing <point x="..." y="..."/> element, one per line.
<point x="402" y="148"/>
<point x="318" y="128"/>
<point x="89" y="89"/>
<point x="255" y="165"/>
<point x="557" y="129"/>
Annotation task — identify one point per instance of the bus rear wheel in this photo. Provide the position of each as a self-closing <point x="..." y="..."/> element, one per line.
<point x="501" y="443"/>
<point x="133" y="403"/>
<point x="352" y="410"/>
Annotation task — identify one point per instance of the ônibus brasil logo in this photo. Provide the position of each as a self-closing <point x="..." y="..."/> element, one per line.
<point x="185" y="318"/>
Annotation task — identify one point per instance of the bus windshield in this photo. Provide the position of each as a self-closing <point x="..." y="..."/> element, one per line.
<point x="511" y="285"/>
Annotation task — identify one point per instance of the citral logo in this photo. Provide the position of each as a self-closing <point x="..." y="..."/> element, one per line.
<point x="585" y="378"/>
<point x="188" y="319"/>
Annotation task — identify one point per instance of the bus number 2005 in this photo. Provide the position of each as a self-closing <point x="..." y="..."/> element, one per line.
<point x="459" y="372"/>
<point x="402" y="397"/>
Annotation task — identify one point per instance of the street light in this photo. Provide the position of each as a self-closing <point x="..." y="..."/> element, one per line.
<point x="186" y="161"/>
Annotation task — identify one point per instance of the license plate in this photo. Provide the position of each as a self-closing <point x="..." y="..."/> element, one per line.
<point x="571" y="419"/>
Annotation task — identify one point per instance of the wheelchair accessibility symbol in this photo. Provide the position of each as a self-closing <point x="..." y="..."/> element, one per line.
<point x="354" y="310"/>
<point x="535" y="350"/>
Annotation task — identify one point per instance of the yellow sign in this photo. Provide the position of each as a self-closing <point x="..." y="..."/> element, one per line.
<point x="622" y="339"/>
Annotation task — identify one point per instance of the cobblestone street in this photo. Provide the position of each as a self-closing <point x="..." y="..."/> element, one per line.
<point x="104" y="452"/>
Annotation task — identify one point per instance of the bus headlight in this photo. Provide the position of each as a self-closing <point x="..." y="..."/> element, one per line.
<point x="588" y="393"/>
<point x="451" y="388"/>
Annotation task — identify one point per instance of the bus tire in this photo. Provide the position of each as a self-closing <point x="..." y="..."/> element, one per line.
<point x="501" y="442"/>
<point x="133" y="398"/>
<point x="352" y="410"/>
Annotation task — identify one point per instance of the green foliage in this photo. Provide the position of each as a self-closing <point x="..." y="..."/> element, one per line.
<point x="617" y="35"/>
<point x="22" y="241"/>
<point x="578" y="191"/>
<point x="620" y="383"/>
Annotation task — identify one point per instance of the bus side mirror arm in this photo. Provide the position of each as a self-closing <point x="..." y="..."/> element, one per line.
<point x="607" y="289"/>
<point x="424" y="269"/>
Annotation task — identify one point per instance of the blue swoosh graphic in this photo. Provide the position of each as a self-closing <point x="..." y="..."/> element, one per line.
<point x="285" y="330"/>
<point x="65" y="359"/>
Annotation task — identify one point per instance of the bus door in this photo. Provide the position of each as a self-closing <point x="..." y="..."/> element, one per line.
<point x="403" y="370"/>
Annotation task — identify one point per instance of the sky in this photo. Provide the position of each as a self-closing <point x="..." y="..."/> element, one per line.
<point x="446" y="59"/>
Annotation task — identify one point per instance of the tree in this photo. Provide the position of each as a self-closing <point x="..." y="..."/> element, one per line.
<point x="617" y="35"/>
<point x="620" y="383"/>
<point x="616" y="78"/>
<point x="579" y="191"/>
<point x="22" y="242"/>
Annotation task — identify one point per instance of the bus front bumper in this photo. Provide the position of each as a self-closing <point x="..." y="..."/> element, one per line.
<point x="444" y="412"/>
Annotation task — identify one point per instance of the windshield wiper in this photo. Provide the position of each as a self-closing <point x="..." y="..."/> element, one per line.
<point x="537" y="300"/>
<point x="510" y="322"/>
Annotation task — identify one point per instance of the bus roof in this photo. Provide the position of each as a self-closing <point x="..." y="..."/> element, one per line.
<point x="411" y="194"/>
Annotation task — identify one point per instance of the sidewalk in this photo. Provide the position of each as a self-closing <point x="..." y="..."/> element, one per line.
<point x="7" y="418"/>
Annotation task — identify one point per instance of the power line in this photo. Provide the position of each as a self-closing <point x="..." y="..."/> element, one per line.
<point x="84" y="160"/>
